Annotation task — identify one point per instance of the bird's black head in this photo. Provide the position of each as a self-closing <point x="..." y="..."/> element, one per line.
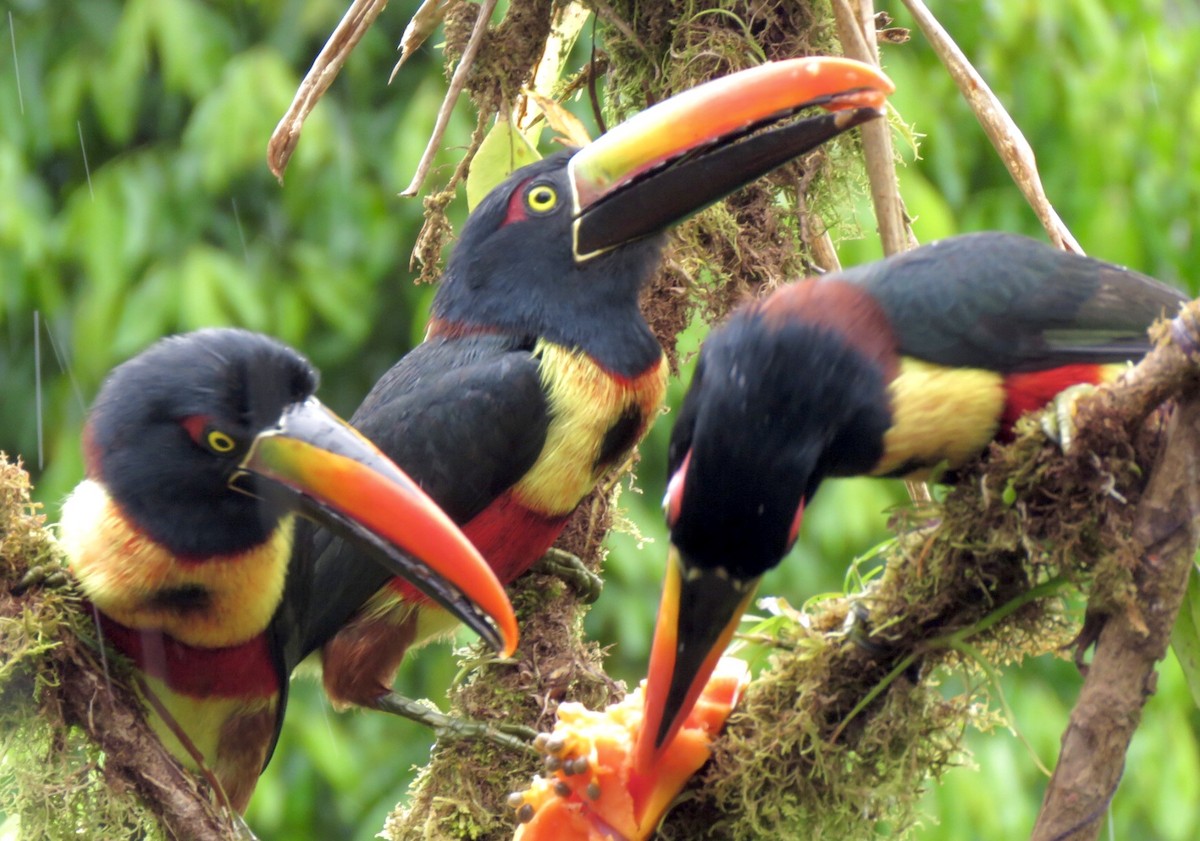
<point x="515" y="270"/>
<point x="563" y="247"/>
<point x="170" y="426"/>
<point x="775" y="407"/>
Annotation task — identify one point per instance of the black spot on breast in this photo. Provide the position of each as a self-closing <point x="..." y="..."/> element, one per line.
<point x="620" y="437"/>
<point x="188" y="598"/>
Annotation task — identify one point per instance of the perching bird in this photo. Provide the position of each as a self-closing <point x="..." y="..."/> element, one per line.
<point x="888" y="369"/>
<point x="539" y="373"/>
<point x="200" y="453"/>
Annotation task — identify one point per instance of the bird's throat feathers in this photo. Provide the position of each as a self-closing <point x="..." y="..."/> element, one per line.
<point x="589" y="406"/>
<point x="205" y="602"/>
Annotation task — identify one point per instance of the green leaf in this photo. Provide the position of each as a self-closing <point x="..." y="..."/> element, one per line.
<point x="1185" y="636"/>
<point x="199" y="283"/>
<point x="242" y="293"/>
<point x="329" y="291"/>
<point x="1009" y="495"/>
<point x="229" y="128"/>
<point x="116" y="83"/>
<point x="192" y="45"/>
<point x="148" y="312"/>
<point x="503" y="151"/>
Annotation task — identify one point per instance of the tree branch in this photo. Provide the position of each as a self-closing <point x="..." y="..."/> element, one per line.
<point x="1121" y="676"/>
<point x="1000" y="128"/>
<point x="72" y="713"/>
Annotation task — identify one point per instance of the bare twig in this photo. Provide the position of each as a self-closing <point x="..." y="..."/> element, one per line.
<point x="816" y="235"/>
<point x="857" y="34"/>
<point x="1000" y="128"/>
<point x="876" y="134"/>
<point x="457" y="82"/>
<point x="425" y="20"/>
<point x="350" y="30"/>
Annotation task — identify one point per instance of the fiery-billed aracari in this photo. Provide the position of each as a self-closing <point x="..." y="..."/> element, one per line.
<point x="200" y="451"/>
<point x="887" y="369"/>
<point x="539" y="373"/>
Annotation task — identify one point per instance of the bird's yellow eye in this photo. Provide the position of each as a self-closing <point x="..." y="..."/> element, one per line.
<point x="219" y="442"/>
<point x="541" y="198"/>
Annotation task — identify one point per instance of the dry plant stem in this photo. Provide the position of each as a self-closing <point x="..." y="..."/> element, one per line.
<point x="113" y="719"/>
<point x="1000" y="128"/>
<point x="457" y="82"/>
<point x="816" y="235"/>
<point x="1121" y="676"/>
<point x="857" y="34"/>
<point x="876" y="134"/>
<point x="350" y="30"/>
<point x="605" y="12"/>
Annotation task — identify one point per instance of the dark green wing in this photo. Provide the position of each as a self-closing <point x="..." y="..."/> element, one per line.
<point x="466" y="418"/>
<point x="1009" y="303"/>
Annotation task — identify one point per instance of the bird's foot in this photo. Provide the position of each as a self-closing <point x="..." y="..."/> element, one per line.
<point x="241" y="829"/>
<point x="857" y="629"/>
<point x="51" y="576"/>
<point x="514" y="737"/>
<point x="1058" y="422"/>
<point x="569" y="568"/>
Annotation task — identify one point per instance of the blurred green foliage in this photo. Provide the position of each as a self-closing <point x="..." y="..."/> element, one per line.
<point x="135" y="202"/>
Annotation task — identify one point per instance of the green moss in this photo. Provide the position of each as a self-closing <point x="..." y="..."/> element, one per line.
<point x="837" y="740"/>
<point x="52" y="777"/>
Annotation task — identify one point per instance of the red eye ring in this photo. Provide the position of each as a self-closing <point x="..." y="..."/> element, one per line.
<point x="195" y="425"/>
<point x="202" y="430"/>
<point x="517" y="211"/>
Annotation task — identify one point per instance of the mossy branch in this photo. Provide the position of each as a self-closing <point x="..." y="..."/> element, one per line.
<point x="79" y="758"/>
<point x="1121" y="675"/>
<point x="985" y="549"/>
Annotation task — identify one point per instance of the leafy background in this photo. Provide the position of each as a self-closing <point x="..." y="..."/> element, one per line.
<point x="135" y="202"/>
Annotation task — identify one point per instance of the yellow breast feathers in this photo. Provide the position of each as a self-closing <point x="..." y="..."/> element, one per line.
<point x="129" y="577"/>
<point x="939" y="415"/>
<point x="585" y="403"/>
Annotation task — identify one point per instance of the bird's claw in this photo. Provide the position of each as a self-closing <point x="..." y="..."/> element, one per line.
<point x="51" y="576"/>
<point x="857" y="629"/>
<point x="1058" y="421"/>
<point x="569" y="568"/>
<point x="241" y="829"/>
<point x="513" y="737"/>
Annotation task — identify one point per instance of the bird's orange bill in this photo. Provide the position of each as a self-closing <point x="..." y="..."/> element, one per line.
<point x="592" y="790"/>
<point x="686" y="152"/>
<point x="343" y="481"/>
<point x="699" y="611"/>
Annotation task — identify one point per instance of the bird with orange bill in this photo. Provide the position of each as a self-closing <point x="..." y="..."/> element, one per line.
<point x="201" y="453"/>
<point x="894" y="368"/>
